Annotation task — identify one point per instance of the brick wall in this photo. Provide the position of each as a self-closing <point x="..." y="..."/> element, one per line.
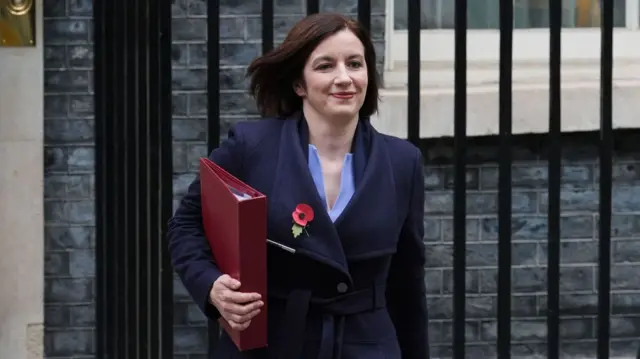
<point x="69" y="193"/>
<point x="579" y="248"/>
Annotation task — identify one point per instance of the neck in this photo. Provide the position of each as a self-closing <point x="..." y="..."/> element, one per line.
<point x="333" y="139"/>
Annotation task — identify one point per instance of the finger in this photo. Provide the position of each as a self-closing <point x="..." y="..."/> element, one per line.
<point x="245" y="309"/>
<point x="238" y="326"/>
<point x="244" y="318"/>
<point x="240" y="309"/>
<point x="242" y="297"/>
<point x="229" y="282"/>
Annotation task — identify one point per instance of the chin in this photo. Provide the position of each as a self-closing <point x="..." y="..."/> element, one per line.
<point x="343" y="117"/>
<point x="342" y="112"/>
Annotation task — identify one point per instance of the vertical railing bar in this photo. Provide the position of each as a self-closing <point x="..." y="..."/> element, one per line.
<point x="504" y="181"/>
<point x="154" y="316"/>
<point x="155" y="113"/>
<point x="555" y="149"/>
<point x="460" y="182"/>
<point x="119" y="122"/>
<point x="606" y="154"/>
<point x="130" y="181"/>
<point x="364" y="13"/>
<point x="267" y="25"/>
<point x="313" y="7"/>
<point x="137" y="187"/>
<point x="150" y="271"/>
<point x="102" y="180"/>
<point x="129" y="178"/>
<point x="113" y="107"/>
<point x="144" y="186"/>
<point x="213" y="80"/>
<point x="118" y="241"/>
<point x="165" y="180"/>
<point x="213" y="112"/>
<point x="413" y="72"/>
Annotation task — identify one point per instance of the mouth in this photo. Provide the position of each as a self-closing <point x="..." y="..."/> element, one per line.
<point x="343" y="95"/>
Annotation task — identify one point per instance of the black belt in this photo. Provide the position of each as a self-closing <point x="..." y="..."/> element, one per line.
<point x="334" y="310"/>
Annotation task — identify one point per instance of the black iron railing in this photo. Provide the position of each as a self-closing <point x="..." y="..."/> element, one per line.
<point x="213" y="110"/>
<point x="134" y="187"/>
<point x="460" y="178"/>
<point x="133" y="178"/>
<point x="555" y="172"/>
<point x="606" y="182"/>
<point x="504" y="179"/>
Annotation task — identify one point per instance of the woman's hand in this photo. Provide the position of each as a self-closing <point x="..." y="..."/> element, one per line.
<point x="236" y="308"/>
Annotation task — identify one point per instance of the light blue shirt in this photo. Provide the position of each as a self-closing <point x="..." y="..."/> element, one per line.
<point x="347" y="186"/>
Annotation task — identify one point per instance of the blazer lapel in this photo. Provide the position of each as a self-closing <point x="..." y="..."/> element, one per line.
<point x="294" y="185"/>
<point x="361" y="149"/>
<point x="373" y="205"/>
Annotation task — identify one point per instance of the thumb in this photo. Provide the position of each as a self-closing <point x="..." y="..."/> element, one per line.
<point x="229" y="282"/>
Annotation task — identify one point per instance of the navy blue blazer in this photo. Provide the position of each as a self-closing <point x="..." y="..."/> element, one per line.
<point x="354" y="289"/>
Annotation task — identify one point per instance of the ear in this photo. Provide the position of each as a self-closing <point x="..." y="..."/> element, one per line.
<point x="298" y="87"/>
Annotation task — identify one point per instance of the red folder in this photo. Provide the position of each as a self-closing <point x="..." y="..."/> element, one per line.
<point x="235" y="224"/>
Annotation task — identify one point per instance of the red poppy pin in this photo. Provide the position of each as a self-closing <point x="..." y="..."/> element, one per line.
<point x="302" y="215"/>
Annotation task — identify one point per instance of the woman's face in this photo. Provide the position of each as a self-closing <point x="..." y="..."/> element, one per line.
<point x="335" y="77"/>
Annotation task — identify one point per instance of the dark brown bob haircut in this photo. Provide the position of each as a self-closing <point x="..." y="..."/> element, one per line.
<point x="274" y="74"/>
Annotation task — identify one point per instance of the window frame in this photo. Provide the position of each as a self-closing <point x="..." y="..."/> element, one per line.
<point x="529" y="45"/>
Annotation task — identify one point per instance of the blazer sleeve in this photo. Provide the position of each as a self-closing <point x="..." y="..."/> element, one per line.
<point x="406" y="289"/>
<point x="189" y="249"/>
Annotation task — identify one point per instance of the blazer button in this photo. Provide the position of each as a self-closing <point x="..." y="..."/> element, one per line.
<point x="342" y="287"/>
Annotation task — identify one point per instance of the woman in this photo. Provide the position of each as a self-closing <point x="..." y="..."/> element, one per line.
<point x="355" y="287"/>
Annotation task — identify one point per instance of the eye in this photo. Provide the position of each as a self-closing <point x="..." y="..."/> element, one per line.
<point x="355" y="64"/>
<point x="323" y="66"/>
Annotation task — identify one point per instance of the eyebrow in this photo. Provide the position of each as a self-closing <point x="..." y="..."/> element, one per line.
<point x="329" y="58"/>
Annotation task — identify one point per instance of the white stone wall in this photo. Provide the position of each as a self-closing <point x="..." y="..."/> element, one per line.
<point x="21" y="200"/>
<point x="580" y="100"/>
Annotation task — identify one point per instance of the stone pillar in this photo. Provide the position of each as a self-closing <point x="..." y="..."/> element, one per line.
<point x="21" y="200"/>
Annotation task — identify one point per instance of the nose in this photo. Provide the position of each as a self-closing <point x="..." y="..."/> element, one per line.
<point x="342" y="75"/>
